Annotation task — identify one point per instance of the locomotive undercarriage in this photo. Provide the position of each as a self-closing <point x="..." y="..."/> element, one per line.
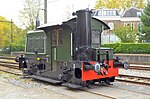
<point x="70" y="74"/>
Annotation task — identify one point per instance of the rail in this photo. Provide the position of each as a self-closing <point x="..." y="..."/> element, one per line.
<point x="134" y="79"/>
<point x="146" y="68"/>
<point x="8" y="65"/>
<point x="9" y="58"/>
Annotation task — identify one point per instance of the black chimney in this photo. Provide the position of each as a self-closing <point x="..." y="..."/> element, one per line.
<point x="37" y="22"/>
<point x="83" y="28"/>
<point x="82" y="37"/>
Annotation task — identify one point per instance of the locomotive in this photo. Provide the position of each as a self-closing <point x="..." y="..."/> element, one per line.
<point x="70" y="53"/>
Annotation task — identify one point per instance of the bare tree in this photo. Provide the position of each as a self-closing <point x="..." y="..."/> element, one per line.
<point x="68" y="11"/>
<point x="30" y="12"/>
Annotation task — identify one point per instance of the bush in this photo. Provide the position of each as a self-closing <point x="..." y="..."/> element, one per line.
<point x="18" y="48"/>
<point x="131" y="48"/>
<point x="125" y="33"/>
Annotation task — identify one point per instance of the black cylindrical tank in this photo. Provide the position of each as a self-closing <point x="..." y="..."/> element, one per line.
<point x="83" y="28"/>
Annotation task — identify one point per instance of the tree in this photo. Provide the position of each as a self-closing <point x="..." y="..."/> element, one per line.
<point x="18" y="38"/>
<point x="145" y="18"/>
<point x="119" y="4"/>
<point x="4" y="32"/>
<point x="67" y="13"/>
<point x="30" y="12"/>
<point x="126" y="34"/>
<point x="18" y="35"/>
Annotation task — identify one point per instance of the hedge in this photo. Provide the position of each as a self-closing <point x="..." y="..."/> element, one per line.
<point x="130" y="48"/>
<point x="6" y="49"/>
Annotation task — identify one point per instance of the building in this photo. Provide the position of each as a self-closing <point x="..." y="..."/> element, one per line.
<point x="113" y="18"/>
<point x="131" y="17"/>
<point x="109" y="16"/>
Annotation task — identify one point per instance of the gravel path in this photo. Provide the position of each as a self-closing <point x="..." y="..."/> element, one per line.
<point x="11" y="91"/>
<point x="13" y="87"/>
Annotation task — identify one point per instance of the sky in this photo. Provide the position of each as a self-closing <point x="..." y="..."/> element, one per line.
<point x="56" y="10"/>
<point x="62" y="7"/>
<point x="10" y="9"/>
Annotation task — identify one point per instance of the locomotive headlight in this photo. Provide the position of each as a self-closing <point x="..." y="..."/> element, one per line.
<point x="38" y="59"/>
<point x="97" y="67"/>
<point x="126" y="65"/>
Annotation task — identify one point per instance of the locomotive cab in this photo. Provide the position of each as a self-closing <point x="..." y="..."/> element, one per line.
<point x="69" y="53"/>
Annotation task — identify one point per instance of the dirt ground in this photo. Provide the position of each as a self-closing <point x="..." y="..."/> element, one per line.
<point x="11" y="91"/>
<point x="14" y="87"/>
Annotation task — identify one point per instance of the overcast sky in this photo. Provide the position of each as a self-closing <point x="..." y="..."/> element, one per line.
<point x="10" y="8"/>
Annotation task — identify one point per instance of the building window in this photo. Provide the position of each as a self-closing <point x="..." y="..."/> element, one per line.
<point x="132" y="26"/>
<point x="99" y="13"/>
<point x="125" y="24"/>
<point x="111" y="25"/>
<point x="104" y="12"/>
<point x="109" y="13"/>
<point x="129" y="24"/>
<point x="57" y="37"/>
<point x="138" y="14"/>
<point x="114" y="13"/>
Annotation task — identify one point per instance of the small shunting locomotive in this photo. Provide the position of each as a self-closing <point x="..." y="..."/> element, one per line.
<point x="70" y="53"/>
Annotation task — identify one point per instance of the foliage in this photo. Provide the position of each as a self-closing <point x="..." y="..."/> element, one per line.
<point x="130" y="48"/>
<point x="18" y="43"/>
<point x="145" y="18"/>
<point x="4" y="31"/>
<point x="18" y="35"/>
<point x="119" y="4"/>
<point x="125" y="33"/>
<point x="30" y="12"/>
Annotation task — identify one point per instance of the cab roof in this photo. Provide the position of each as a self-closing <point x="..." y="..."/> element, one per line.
<point x="60" y="23"/>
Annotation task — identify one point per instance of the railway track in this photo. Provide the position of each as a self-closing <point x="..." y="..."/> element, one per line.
<point x="136" y="67"/>
<point x="134" y="79"/>
<point x="11" y="72"/>
<point x="100" y="94"/>
<point x="8" y="65"/>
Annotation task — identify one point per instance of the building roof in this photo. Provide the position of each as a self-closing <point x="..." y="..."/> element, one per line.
<point x="105" y="12"/>
<point x="132" y="12"/>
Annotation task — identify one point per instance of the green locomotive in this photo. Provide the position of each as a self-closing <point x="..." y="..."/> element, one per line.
<point x="69" y="53"/>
